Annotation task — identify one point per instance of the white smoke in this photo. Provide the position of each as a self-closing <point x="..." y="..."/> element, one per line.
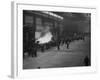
<point x="45" y="39"/>
<point x="45" y="36"/>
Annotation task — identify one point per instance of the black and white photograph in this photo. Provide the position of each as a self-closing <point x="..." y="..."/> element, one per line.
<point x="50" y="40"/>
<point x="54" y="39"/>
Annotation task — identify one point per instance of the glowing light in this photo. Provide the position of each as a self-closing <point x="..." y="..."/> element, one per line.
<point x="45" y="39"/>
<point x="52" y="14"/>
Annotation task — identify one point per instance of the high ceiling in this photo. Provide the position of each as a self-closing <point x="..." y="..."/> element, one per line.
<point x="73" y="16"/>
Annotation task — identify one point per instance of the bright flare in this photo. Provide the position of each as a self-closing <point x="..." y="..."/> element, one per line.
<point x="45" y="39"/>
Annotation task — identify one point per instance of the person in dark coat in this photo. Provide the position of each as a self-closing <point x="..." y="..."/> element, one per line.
<point x="58" y="44"/>
<point x="42" y="48"/>
<point x="86" y="61"/>
<point x="35" y="47"/>
<point x="67" y="43"/>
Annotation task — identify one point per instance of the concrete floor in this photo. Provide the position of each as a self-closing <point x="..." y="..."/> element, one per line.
<point x="52" y="58"/>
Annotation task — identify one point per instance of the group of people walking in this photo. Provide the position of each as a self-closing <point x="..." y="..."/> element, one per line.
<point x="62" y="42"/>
<point x="35" y="46"/>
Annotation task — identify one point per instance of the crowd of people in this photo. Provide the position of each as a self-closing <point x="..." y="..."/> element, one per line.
<point x="35" y="46"/>
<point x="66" y="41"/>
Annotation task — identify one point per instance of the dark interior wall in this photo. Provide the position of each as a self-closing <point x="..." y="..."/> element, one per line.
<point x="76" y="22"/>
